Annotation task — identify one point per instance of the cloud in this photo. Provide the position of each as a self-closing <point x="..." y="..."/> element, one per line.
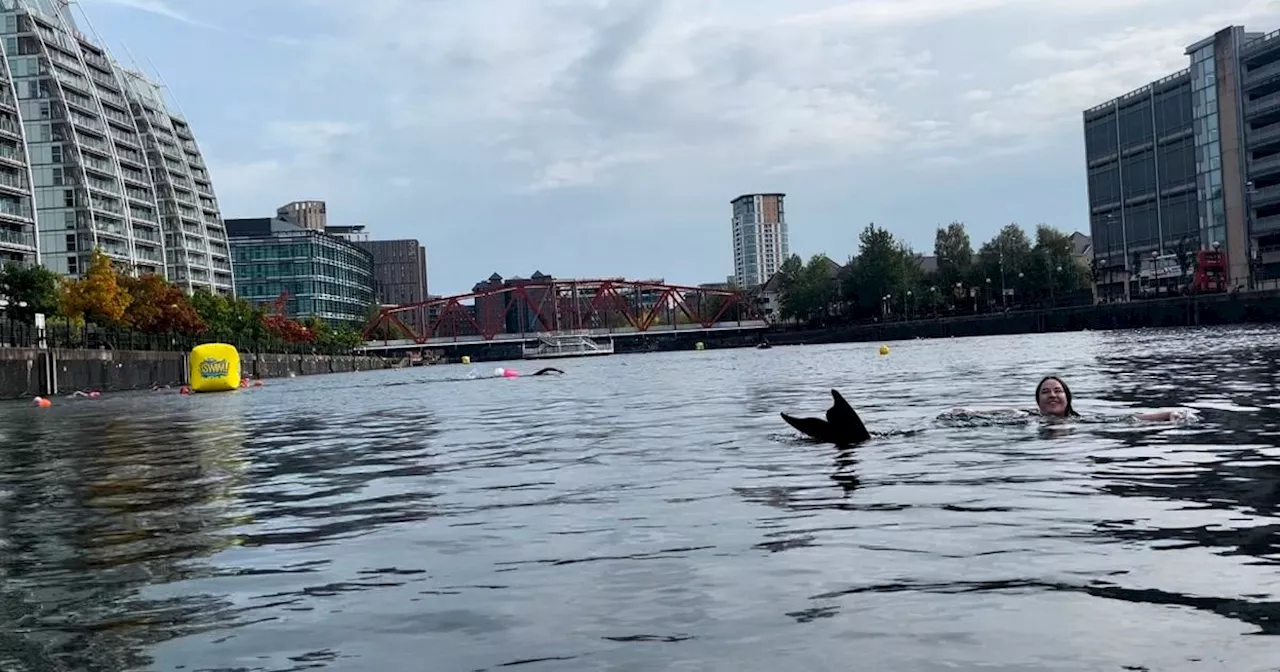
<point x="575" y="92"/>
<point x="157" y="7"/>
<point x="169" y="9"/>
<point x="1076" y="74"/>
<point x="635" y="120"/>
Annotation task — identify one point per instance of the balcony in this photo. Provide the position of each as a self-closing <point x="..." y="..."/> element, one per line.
<point x="13" y="238"/>
<point x="15" y="184"/>
<point x="1265" y="166"/>
<point x="1266" y="196"/>
<point x="7" y="126"/>
<point x="1261" y="137"/>
<point x="1265" y="225"/>
<point x="12" y="209"/>
<point x="1263" y="105"/>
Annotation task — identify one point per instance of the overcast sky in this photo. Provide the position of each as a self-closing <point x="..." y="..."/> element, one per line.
<point x="593" y="138"/>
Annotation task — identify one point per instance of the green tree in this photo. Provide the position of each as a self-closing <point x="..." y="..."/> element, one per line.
<point x="883" y="267"/>
<point x="226" y="319"/>
<point x="954" y="253"/>
<point x="1001" y="259"/>
<point x="36" y="286"/>
<point x="791" y="299"/>
<point x="1185" y="253"/>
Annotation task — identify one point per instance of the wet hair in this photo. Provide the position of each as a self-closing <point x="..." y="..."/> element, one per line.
<point x="1065" y="390"/>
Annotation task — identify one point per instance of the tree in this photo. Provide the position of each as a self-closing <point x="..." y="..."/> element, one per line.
<point x="36" y="286"/>
<point x="791" y="298"/>
<point x="1054" y="250"/>
<point x="226" y="319"/>
<point x="883" y="267"/>
<point x="287" y="330"/>
<point x="954" y="253"/>
<point x="1185" y="254"/>
<point x="157" y="307"/>
<point x="98" y="295"/>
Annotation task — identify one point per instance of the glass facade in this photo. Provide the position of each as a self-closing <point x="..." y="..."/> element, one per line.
<point x="323" y="276"/>
<point x="196" y="250"/>
<point x="1204" y="115"/>
<point x="760" y="239"/>
<point x="93" y="174"/>
<point x="1141" y="176"/>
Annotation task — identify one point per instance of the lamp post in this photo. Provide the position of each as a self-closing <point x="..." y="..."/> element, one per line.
<point x="1254" y="256"/>
<point x="1053" y="287"/>
<point x="1155" y="272"/>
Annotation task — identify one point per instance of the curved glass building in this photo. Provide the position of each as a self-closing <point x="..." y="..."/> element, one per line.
<point x="91" y="156"/>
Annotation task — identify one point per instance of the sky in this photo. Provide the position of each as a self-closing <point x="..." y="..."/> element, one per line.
<point x="604" y="138"/>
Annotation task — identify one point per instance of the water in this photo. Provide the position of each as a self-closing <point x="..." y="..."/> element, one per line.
<point x="653" y="512"/>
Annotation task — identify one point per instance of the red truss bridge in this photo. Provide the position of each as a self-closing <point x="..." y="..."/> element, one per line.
<point x="529" y="310"/>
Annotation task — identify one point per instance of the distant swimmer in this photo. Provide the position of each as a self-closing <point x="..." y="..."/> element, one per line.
<point x="546" y="370"/>
<point x="843" y="426"/>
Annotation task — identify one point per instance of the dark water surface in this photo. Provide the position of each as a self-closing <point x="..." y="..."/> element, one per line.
<point x="652" y="512"/>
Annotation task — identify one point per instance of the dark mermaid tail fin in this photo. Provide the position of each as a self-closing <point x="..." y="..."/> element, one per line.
<point x="842" y="426"/>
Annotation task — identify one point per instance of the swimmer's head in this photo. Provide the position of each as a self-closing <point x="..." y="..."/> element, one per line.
<point x="1053" y="397"/>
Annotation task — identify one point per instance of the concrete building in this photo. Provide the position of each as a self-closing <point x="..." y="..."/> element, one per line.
<point x="399" y="274"/>
<point x="1190" y="161"/>
<point x="351" y="232"/>
<point x="313" y="215"/>
<point x="92" y="156"/>
<point x="760" y="242"/>
<point x="322" y="275"/>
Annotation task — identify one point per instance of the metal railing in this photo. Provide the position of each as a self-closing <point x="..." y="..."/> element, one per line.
<point x="63" y="335"/>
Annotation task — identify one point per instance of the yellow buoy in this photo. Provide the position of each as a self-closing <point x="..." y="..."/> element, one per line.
<point x="884" y="349"/>
<point x="466" y="359"/>
<point x="699" y="346"/>
<point x="215" y="367"/>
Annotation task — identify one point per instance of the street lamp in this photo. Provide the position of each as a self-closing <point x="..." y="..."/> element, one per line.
<point x="1253" y="242"/>
<point x="1155" y="271"/>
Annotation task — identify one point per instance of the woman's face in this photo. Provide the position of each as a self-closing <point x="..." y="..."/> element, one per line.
<point x="1052" y="398"/>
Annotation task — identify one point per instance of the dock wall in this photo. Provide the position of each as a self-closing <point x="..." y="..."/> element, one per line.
<point x="30" y="372"/>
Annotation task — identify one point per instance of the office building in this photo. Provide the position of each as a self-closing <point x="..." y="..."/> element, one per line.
<point x="311" y="215"/>
<point x="350" y="232"/>
<point x="399" y="275"/>
<point x="91" y="156"/>
<point x="399" y="270"/>
<point x="320" y="275"/>
<point x="1190" y="161"/>
<point x="760" y="243"/>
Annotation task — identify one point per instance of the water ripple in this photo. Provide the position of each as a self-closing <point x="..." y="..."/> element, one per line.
<point x="651" y="512"/>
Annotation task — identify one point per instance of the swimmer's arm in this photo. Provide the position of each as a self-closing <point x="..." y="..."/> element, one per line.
<point x="1176" y="415"/>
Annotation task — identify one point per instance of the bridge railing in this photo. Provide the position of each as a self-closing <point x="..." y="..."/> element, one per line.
<point x="618" y="332"/>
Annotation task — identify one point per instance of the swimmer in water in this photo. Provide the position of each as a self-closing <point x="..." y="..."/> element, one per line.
<point x="844" y="427"/>
<point x="1053" y="399"/>
<point x="544" y="371"/>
